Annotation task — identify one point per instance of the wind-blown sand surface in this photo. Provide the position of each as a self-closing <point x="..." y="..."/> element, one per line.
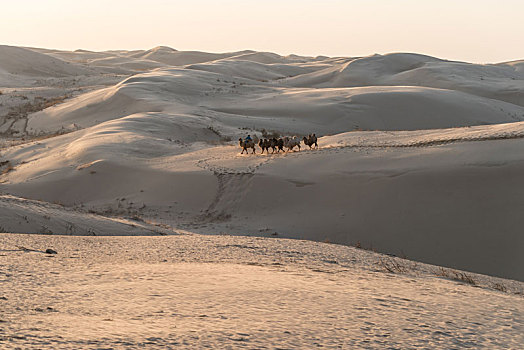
<point x="418" y="157"/>
<point x="240" y="292"/>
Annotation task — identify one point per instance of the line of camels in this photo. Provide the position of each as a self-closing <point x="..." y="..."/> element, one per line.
<point x="278" y="144"/>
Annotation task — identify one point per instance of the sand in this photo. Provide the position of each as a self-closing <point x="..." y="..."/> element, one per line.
<point x="418" y="157"/>
<point x="240" y="292"/>
<point x="159" y="146"/>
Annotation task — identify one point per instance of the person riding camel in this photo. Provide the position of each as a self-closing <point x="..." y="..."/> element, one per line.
<point x="248" y="138"/>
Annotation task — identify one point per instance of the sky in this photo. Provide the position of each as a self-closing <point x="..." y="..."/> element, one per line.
<point x="480" y="31"/>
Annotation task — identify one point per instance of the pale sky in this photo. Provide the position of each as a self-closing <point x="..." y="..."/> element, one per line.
<point x="481" y="31"/>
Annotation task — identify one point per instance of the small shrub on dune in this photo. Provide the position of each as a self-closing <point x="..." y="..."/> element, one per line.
<point x="137" y="218"/>
<point x="456" y="276"/>
<point x="391" y="265"/>
<point x="500" y="287"/>
<point x="359" y="245"/>
<point x="269" y="134"/>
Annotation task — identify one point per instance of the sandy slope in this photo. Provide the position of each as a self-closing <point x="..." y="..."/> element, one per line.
<point x="502" y="81"/>
<point x="159" y="145"/>
<point x="241" y="292"/>
<point x="517" y="65"/>
<point x="275" y="107"/>
<point x="35" y="79"/>
<point x="409" y="193"/>
<point x="29" y="216"/>
<point x="406" y="193"/>
<point x="173" y="57"/>
<point x="20" y="61"/>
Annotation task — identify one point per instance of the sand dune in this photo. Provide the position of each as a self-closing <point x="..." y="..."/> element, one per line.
<point x="125" y="64"/>
<point x="240" y="292"/>
<point x="77" y="56"/>
<point x="449" y="206"/>
<point x="374" y="108"/>
<point x="407" y="193"/>
<point x="327" y="111"/>
<point x="372" y="70"/>
<point x="418" y="158"/>
<point x="173" y="57"/>
<point x="30" y="216"/>
<point x="502" y="82"/>
<point x="518" y="65"/>
<point x="433" y="172"/>
<point x="259" y="72"/>
<point x="270" y="58"/>
<point x="20" y="61"/>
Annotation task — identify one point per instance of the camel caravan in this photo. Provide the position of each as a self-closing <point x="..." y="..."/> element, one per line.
<point x="277" y="144"/>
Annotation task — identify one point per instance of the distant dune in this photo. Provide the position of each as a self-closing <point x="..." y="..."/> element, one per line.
<point x="20" y="61"/>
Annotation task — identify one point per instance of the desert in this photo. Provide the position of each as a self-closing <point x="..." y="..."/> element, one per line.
<point x="402" y="229"/>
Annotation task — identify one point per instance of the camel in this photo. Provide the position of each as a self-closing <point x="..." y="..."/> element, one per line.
<point x="290" y="143"/>
<point x="310" y="140"/>
<point x="279" y="144"/>
<point x="265" y="144"/>
<point x="273" y="143"/>
<point x="245" y="145"/>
